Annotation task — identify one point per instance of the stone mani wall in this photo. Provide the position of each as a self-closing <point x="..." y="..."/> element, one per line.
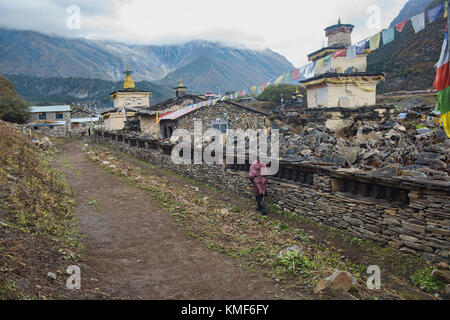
<point x="410" y="216"/>
<point x="338" y="118"/>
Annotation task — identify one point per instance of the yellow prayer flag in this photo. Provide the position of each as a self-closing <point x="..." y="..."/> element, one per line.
<point x="319" y="64"/>
<point x="375" y="41"/>
<point x="279" y="79"/>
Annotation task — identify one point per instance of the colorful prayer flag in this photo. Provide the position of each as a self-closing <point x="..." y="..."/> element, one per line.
<point x="296" y="74"/>
<point x="400" y="26"/>
<point x="442" y="84"/>
<point x="319" y="64"/>
<point x="258" y="89"/>
<point x="279" y="79"/>
<point x="361" y="46"/>
<point x="418" y="22"/>
<point x="263" y="86"/>
<point x="309" y="70"/>
<point x="340" y="53"/>
<point x="287" y="77"/>
<point x="436" y="13"/>
<point x="375" y="41"/>
<point x="351" y="52"/>
<point x="388" y="35"/>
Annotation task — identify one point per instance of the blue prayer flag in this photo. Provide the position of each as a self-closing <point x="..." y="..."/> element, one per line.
<point x="436" y="13"/>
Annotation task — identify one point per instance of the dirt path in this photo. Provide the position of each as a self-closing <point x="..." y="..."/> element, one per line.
<point x="137" y="251"/>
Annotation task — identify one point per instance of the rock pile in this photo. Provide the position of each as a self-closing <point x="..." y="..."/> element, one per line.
<point x="386" y="149"/>
<point x="44" y="143"/>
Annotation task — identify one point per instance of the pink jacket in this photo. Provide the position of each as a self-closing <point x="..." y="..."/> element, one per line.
<point x="259" y="182"/>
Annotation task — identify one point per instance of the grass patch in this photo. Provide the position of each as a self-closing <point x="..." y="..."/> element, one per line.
<point x="422" y="278"/>
<point x="37" y="202"/>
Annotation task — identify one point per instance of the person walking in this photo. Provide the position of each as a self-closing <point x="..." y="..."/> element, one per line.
<point x="259" y="184"/>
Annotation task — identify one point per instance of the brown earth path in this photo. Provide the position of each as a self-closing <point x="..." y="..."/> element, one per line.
<point x="135" y="250"/>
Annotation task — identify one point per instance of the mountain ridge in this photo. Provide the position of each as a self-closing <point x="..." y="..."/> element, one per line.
<point x="78" y="90"/>
<point x="42" y="55"/>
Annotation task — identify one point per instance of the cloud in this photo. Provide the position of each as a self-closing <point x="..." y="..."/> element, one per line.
<point x="292" y="28"/>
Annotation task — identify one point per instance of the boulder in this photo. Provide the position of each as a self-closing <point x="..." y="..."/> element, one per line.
<point x="447" y="291"/>
<point x="443" y="275"/>
<point x="425" y="157"/>
<point x="339" y="281"/>
<point x="388" y="171"/>
<point x="443" y="266"/>
<point x="349" y="153"/>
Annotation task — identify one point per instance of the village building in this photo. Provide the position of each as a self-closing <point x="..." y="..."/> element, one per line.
<point x="50" y="117"/>
<point x="209" y="95"/>
<point x="127" y="102"/>
<point x="222" y="116"/>
<point x="83" y="118"/>
<point x="340" y="81"/>
<point x="50" y="113"/>
<point x="149" y="117"/>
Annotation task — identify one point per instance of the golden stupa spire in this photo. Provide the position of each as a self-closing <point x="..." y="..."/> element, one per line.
<point x="128" y="83"/>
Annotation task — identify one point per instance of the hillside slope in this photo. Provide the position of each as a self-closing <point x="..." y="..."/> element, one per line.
<point x="410" y="9"/>
<point x="409" y="60"/>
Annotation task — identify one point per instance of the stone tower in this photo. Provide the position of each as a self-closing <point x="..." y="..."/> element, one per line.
<point x="129" y="96"/>
<point x="339" y="81"/>
<point x="181" y="90"/>
<point x="339" y="34"/>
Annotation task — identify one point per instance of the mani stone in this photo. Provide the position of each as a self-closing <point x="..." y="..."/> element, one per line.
<point x="338" y="281"/>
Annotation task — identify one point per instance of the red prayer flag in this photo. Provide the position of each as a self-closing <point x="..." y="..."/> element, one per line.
<point x="340" y="53"/>
<point x="296" y="74"/>
<point x="400" y="26"/>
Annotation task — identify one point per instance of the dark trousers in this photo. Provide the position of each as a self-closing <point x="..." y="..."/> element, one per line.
<point x="259" y="200"/>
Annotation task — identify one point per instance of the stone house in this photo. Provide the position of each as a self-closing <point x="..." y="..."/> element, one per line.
<point x="222" y="116"/>
<point x="83" y="118"/>
<point x="148" y="117"/>
<point x="41" y="114"/>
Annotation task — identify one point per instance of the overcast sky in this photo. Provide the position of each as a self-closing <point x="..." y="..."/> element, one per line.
<point x="293" y="28"/>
